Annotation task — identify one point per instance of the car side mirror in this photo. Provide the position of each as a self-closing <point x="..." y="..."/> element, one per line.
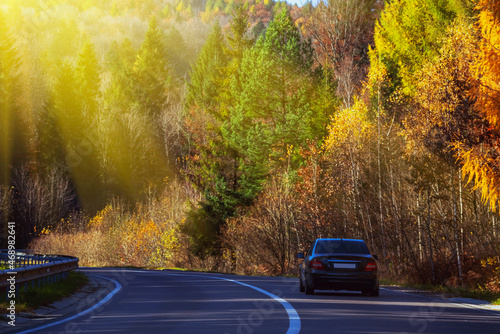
<point x="375" y="257"/>
<point x="300" y="255"/>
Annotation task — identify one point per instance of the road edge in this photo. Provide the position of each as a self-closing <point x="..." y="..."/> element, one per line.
<point x="97" y="292"/>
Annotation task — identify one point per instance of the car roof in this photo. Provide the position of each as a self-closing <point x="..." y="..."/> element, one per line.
<point x="338" y="239"/>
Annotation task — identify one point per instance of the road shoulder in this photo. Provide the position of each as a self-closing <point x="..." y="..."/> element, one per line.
<point x="467" y="302"/>
<point x="94" y="291"/>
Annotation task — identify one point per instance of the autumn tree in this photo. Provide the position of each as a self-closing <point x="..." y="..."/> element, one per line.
<point x="341" y="32"/>
<point x="410" y="32"/>
<point x="266" y="236"/>
<point x="445" y="113"/>
<point x="349" y="140"/>
<point x="481" y="162"/>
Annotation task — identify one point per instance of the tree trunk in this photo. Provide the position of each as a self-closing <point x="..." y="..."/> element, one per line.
<point x="455" y="225"/>
<point x="419" y="227"/>
<point x="431" y="255"/>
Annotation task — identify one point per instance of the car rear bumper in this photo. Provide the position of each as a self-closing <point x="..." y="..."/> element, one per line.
<point x="326" y="281"/>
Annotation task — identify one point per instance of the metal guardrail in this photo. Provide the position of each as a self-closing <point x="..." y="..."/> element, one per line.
<point x="25" y="268"/>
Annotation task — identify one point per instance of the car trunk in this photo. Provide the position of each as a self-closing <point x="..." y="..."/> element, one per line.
<point x="344" y="263"/>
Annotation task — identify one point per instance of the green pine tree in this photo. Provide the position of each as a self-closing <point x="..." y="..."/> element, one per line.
<point x="81" y="144"/>
<point x="88" y="72"/>
<point x="207" y="171"/>
<point x="120" y="60"/>
<point x="152" y="74"/>
<point x="273" y="115"/>
<point x="177" y="54"/>
<point x="207" y="74"/>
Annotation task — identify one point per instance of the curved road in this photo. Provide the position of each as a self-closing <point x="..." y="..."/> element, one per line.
<point x="186" y="302"/>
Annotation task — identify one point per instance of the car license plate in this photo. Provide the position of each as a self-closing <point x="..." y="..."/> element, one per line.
<point x="344" y="265"/>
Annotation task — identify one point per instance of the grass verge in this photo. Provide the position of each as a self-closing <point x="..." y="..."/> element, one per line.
<point x="35" y="297"/>
<point x="476" y="293"/>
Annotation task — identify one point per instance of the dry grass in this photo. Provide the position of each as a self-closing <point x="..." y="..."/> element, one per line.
<point x="115" y="236"/>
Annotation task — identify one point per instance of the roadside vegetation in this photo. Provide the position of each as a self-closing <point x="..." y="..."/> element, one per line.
<point x="478" y="292"/>
<point x="227" y="135"/>
<point x="34" y="298"/>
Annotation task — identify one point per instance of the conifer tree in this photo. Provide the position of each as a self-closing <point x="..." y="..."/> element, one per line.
<point x="79" y="137"/>
<point x="152" y="72"/>
<point x="207" y="73"/>
<point x="120" y="60"/>
<point x="176" y="50"/>
<point x="272" y="117"/>
<point x="10" y="61"/>
<point x="88" y="71"/>
<point x="208" y="147"/>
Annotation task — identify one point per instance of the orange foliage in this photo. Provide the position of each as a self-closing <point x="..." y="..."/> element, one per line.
<point x="488" y="64"/>
<point x="482" y="163"/>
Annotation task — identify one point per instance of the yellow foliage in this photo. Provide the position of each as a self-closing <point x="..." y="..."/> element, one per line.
<point x="180" y="7"/>
<point x="442" y="91"/>
<point x="205" y="16"/>
<point x="488" y="63"/>
<point x="98" y="221"/>
<point x="481" y="163"/>
<point x="46" y="230"/>
<point x="482" y="169"/>
<point x="350" y="128"/>
<point x="377" y="73"/>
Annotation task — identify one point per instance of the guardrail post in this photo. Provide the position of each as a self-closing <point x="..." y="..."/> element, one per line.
<point x="34" y="270"/>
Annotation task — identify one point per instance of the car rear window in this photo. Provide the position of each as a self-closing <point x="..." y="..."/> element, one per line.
<point x="338" y="247"/>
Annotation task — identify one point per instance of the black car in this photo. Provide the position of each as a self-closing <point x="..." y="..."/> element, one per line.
<point x="339" y="264"/>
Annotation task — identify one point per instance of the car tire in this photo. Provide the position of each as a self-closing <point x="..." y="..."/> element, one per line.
<point x="372" y="292"/>
<point x="301" y="286"/>
<point x="308" y="289"/>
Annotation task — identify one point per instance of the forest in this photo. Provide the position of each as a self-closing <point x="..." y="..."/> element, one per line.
<point x="226" y="135"/>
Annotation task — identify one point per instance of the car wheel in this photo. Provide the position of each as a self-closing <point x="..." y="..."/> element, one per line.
<point x="372" y="292"/>
<point x="308" y="289"/>
<point x="301" y="286"/>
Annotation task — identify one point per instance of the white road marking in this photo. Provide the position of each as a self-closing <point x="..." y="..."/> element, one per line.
<point x="445" y="300"/>
<point x="96" y="306"/>
<point x="293" y="316"/>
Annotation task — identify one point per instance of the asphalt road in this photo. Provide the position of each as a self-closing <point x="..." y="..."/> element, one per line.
<point x="186" y="302"/>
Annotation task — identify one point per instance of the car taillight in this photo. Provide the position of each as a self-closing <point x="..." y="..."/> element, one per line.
<point x="316" y="264"/>
<point x="371" y="266"/>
